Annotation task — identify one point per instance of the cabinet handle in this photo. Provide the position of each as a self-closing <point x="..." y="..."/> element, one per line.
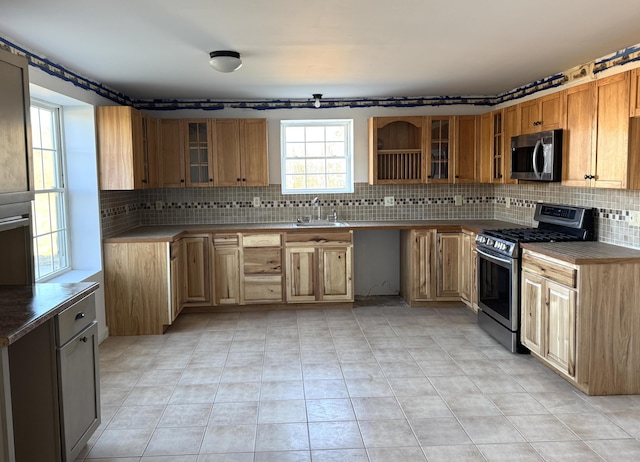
<point x="428" y="176"/>
<point x="182" y="181"/>
<point x="144" y="181"/>
<point x="84" y="339"/>
<point x="80" y="315"/>
<point x="586" y="177"/>
<point x="457" y="176"/>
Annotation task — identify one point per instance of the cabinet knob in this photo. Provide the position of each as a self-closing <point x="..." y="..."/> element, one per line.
<point x="237" y="179"/>
<point x="144" y="181"/>
<point x="80" y="315"/>
<point x="182" y="181"/>
<point x="211" y="180"/>
<point x="428" y="176"/>
<point x="457" y="176"/>
<point x="244" y="179"/>
<point x="84" y="339"/>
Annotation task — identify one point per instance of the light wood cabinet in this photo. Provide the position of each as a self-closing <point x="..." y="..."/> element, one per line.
<point x="634" y="99"/>
<point x="542" y="114"/>
<point x="241" y="157"/>
<point x="319" y="267"/>
<point x="440" y="135"/>
<point x="226" y="269"/>
<point x="198" y="151"/>
<point x="466" y="149"/>
<point x="177" y="276"/>
<point x="582" y="321"/>
<point x="127" y="148"/>
<point x="16" y="174"/>
<point x="486" y="142"/>
<point x="196" y="250"/>
<point x="397" y="150"/>
<point x="449" y="268"/>
<point x="468" y="270"/>
<point x="510" y="128"/>
<point x="137" y="287"/>
<point x="263" y="280"/>
<point x="601" y="142"/>
<point x="171" y="157"/>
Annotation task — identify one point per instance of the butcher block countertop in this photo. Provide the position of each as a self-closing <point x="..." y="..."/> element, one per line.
<point x="585" y="253"/>
<point x="168" y="233"/>
<point x="23" y="308"/>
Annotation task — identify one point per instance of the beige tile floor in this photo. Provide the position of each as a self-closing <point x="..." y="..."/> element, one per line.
<point x="379" y="382"/>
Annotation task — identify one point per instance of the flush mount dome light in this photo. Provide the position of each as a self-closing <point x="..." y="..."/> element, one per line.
<point x="225" y="61"/>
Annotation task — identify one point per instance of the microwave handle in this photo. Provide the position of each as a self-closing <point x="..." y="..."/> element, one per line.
<point x="536" y="150"/>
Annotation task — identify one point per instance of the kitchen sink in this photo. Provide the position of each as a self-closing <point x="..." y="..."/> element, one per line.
<point x="322" y="224"/>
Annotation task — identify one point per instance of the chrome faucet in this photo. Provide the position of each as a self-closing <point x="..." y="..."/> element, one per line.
<point x="316" y="203"/>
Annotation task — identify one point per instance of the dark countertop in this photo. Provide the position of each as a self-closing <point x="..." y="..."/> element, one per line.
<point x="585" y="253"/>
<point x="23" y="308"/>
<point x="168" y="233"/>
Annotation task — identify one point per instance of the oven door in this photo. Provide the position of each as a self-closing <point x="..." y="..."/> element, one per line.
<point x="498" y="282"/>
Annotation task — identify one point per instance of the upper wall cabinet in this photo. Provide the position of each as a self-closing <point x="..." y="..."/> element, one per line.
<point x="198" y="152"/>
<point x="396" y="153"/>
<point x="542" y="114"/>
<point x="241" y="155"/>
<point x="440" y="135"/>
<point x="15" y="129"/>
<point x="172" y="158"/>
<point x="466" y="149"/>
<point x="634" y="106"/>
<point x="127" y="148"/>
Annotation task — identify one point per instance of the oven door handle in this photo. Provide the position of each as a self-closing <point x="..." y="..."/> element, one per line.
<point x="506" y="261"/>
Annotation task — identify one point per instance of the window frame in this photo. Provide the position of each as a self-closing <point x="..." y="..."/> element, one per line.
<point x="349" y="157"/>
<point x="61" y="189"/>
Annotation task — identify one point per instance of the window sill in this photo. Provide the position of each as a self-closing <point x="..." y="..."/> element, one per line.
<point x="72" y="276"/>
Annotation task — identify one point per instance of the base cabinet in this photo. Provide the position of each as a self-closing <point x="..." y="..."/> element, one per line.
<point x="226" y="268"/>
<point x="319" y="267"/>
<point x="582" y="321"/>
<point x="262" y="269"/>
<point x="196" y="253"/>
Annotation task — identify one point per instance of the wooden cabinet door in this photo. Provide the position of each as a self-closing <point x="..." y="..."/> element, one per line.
<point x="198" y="152"/>
<point x="560" y="337"/>
<point x="465" y="267"/>
<point x="532" y="312"/>
<point x="171" y="154"/>
<point x="254" y="152"/>
<point x="197" y="286"/>
<point x="227" y="152"/>
<point x="227" y="275"/>
<point x="634" y="100"/>
<point x="448" y="266"/>
<point x="440" y="133"/>
<point x="474" y="278"/>
<point x="150" y="172"/>
<point x="529" y="116"/>
<point x="578" y="135"/>
<point x="336" y="281"/>
<point x="177" y="275"/>
<point x="424" y="260"/>
<point x="497" y="147"/>
<point x="552" y="111"/>
<point x="486" y="139"/>
<point x="302" y="273"/>
<point x="612" y="131"/>
<point x="510" y="125"/>
<point x="466" y="149"/>
<point x="15" y="127"/>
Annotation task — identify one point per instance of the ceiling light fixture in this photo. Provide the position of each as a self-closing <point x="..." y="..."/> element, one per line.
<point x="225" y="61"/>
<point x="316" y="97"/>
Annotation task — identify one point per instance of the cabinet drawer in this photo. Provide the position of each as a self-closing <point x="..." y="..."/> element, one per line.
<point x="74" y="319"/>
<point x="319" y="238"/>
<point x="262" y="288"/>
<point x="261" y="240"/>
<point x="220" y="240"/>
<point x="561" y="274"/>
<point x="262" y="261"/>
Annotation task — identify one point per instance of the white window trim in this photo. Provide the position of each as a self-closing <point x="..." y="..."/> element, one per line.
<point x="65" y="196"/>
<point x="348" y="124"/>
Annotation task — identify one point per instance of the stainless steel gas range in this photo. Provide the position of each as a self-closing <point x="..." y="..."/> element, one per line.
<point x="499" y="265"/>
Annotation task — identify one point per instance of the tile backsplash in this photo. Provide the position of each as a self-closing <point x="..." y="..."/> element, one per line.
<point x="121" y="210"/>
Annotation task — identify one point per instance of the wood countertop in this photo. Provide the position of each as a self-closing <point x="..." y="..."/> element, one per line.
<point x="23" y="308"/>
<point x="168" y="233"/>
<point x="585" y="253"/>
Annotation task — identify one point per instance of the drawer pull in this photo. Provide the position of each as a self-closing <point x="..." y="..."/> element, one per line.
<point x="84" y="339"/>
<point x="80" y="315"/>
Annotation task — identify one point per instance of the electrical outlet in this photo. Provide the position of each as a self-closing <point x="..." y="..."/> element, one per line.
<point x="507" y="202"/>
<point x="389" y="201"/>
<point x="457" y="200"/>
<point x="634" y="219"/>
<point x="256" y="202"/>
<point x="159" y="205"/>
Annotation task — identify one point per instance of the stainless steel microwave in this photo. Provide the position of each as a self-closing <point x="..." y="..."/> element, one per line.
<point x="537" y="156"/>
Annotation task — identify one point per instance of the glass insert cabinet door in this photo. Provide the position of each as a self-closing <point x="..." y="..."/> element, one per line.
<point x="199" y="169"/>
<point x="439" y="149"/>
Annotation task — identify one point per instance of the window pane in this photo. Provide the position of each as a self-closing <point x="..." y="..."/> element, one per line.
<point x="38" y="177"/>
<point x="316" y="181"/>
<point x="337" y="181"/>
<point x="335" y="150"/>
<point x="296" y="182"/>
<point x="335" y="133"/>
<point x="315" y="166"/>
<point x="336" y="166"/>
<point x="315" y="150"/>
<point x="294" y="166"/>
<point x="295" y="150"/>
<point x="49" y="170"/>
<point x="314" y="134"/>
<point x="35" y="127"/>
<point x="56" y="209"/>
<point x="295" y="134"/>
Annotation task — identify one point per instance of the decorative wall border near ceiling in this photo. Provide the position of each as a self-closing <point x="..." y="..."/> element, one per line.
<point x="585" y="71"/>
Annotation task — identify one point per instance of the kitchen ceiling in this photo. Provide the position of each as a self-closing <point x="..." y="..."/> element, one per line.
<point x="149" y="49"/>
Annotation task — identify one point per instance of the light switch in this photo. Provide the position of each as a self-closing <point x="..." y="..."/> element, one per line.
<point x="256" y="202"/>
<point x="389" y="201"/>
<point x="457" y="199"/>
<point x="159" y="205"/>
